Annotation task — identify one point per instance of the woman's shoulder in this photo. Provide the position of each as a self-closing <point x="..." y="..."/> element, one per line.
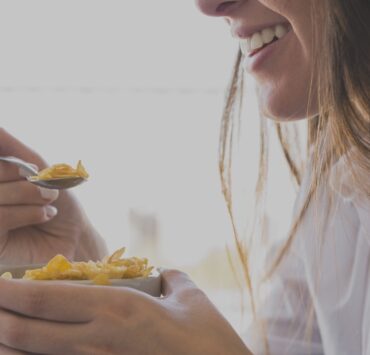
<point x="345" y="182"/>
<point x="338" y="213"/>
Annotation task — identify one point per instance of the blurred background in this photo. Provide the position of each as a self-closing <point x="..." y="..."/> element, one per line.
<point x="136" y="90"/>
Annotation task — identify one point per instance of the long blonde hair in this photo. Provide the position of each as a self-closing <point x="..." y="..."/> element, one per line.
<point x="342" y="125"/>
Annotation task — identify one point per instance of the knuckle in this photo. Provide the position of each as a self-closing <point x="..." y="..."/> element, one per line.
<point x="35" y="303"/>
<point x="192" y="291"/>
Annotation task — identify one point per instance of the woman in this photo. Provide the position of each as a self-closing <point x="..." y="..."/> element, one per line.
<point x="310" y="59"/>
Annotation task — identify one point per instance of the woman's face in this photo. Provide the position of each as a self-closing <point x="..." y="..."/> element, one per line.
<point x="276" y="41"/>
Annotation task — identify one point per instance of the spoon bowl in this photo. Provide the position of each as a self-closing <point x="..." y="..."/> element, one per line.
<point x="58" y="183"/>
<point x="55" y="184"/>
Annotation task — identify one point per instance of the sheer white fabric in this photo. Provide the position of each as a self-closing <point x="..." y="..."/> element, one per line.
<point x="320" y="296"/>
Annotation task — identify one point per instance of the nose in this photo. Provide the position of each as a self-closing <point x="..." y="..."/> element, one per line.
<point x="217" y="7"/>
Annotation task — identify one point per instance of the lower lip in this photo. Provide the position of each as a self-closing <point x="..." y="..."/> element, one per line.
<point x="255" y="62"/>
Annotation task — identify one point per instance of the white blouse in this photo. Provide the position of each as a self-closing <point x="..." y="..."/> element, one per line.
<point x="320" y="296"/>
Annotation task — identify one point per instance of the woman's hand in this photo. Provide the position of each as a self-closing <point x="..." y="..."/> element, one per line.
<point x="49" y="318"/>
<point x="35" y="223"/>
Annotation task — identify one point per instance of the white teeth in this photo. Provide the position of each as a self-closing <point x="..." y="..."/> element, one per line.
<point x="280" y="31"/>
<point x="256" y="41"/>
<point x="259" y="39"/>
<point x="245" y="46"/>
<point x="268" y="35"/>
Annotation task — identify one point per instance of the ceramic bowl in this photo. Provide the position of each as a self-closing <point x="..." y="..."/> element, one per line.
<point x="150" y="285"/>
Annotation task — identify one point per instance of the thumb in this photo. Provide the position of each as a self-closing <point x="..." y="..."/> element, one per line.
<point x="175" y="281"/>
<point x="10" y="146"/>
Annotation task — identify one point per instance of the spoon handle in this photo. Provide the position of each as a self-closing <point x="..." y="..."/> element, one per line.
<point x="21" y="164"/>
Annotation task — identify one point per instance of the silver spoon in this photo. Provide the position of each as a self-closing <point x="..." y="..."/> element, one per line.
<point x="55" y="184"/>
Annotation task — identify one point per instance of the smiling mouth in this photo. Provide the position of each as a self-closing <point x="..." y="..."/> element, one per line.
<point x="261" y="39"/>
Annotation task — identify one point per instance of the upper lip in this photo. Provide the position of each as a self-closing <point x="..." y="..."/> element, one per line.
<point x="243" y="32"/>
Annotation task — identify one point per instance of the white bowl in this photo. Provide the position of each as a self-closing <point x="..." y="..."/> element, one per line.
<point x="150" y="285"/>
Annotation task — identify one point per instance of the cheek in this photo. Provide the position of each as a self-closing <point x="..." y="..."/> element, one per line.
<point x="280" y="6"/>
<point x="286" y="83"/>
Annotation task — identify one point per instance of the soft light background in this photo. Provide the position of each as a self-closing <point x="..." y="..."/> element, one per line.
<point x="135" y="89"/>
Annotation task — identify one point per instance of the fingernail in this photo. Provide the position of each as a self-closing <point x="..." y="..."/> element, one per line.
<point x="49" y="194"/>
<point x="50" y="211"/>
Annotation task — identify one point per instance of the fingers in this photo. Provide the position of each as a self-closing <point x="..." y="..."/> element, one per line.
<point x="174" y="282"/>
<point x="13" y="217"/>
<point x="23" y="204"/>
<point x="50" y="300"/>
<point x="9" y="172"/>
<point x="24" y="193"/>
<point x="9" y="145"/>
<point x="38" y="336"/>
<point x="4" y="350"/>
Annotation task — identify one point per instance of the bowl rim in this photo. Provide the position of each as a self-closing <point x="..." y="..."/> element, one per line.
<point x="155" y="273"/>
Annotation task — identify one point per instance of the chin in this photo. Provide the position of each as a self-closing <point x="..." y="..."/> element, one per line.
<point x="285" y="108"/>
<point x="282" y="113"/>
